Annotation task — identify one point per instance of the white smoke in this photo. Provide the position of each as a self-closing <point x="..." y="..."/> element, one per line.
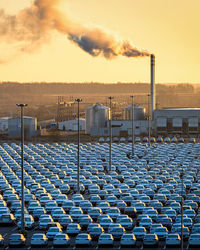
<point x="33" y="26"/>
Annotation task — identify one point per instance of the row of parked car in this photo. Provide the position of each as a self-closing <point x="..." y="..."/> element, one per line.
<point x="137" y="139"/>
<point x="139" y="199"/>
<point x="85" y="239"/>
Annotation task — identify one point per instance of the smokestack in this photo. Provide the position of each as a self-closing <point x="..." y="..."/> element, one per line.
<point x="153" y="90"/>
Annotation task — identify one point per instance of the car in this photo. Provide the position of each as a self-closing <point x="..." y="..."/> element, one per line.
<point x="7" y="219"/>
<point x="196" y="228"/>
<point x="161" y="232"/>
<point x="50" y="206"/>
<point x="38" y="212"/>
<point x="101" y="139"/>
<point x="96" y="231"/>
<point x="105" y="239"/>
<point x="52" y="232"/>
<point x="192" y="140"/>
<point x="1" y="240"/>
<point x="113" y="212"/>
<point x="53" y="224"/>
<point x="104" y="205"/>
<point x="137" y="139"/>
<point x="117" y="232"/>
<point x="128" y="239"/>
<point x="105" y="222"/>
<point x="145" y="139"/>
<point x="76" y="213"/>
<point x="94" y="212"/>
<point x="65" y="220"/>
<point x="57" y="213"/>
<point x="73" y="229"/>
<point x="159" y="139"/>
<point x="39" y="239"/>
<point x="29" y="221"/>
<point x="194" y="240"/>
<point x="83" y="239"/>
<point x="146" y="222"/>
<point x="173" y="239"/>
<point x="139" y="232"/>
<point x="61" y="240"/>
<point x="43" y="222"/>
<point x="94" y="198"/>
<point x="167" y="140"/>
<point x="127" y="223"/>
<point x="150" y="240"/>
<point x="67" y="205"/>
<point x="17" y="239"/>
<point x="85" y="205"/>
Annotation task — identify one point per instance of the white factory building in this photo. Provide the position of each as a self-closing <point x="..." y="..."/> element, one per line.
<point x="166" y="122"/>
<point x="30" y="127"/>
<point x="72" y="125"/>
<point x="97" y="121"/>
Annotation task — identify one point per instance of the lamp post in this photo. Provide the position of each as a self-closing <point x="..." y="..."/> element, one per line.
<point x="78" y="149"/>
<point x="133" y="137"/>
<point x="149" y="118"/>
<point x="22" y="167"/>
<point x="181" y="177"/>
<point x="110" y="128"/>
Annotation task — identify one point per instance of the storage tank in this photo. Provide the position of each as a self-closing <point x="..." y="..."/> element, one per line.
<point x="96" y="117"/>
<point x="139" y="113"/>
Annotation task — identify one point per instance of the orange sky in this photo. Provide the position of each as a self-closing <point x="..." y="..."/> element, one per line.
<point x="167" y="28"/>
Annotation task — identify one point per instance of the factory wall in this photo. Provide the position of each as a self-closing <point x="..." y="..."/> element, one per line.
<point x="71" y="125"/>
<point x="4" y="123"/>
<point x="177" y="121"/>
<point x="122" y="128"/>
<point x="30" y="127"/>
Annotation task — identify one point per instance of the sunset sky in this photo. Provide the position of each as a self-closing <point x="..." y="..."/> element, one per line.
<point x="168" y="28"/>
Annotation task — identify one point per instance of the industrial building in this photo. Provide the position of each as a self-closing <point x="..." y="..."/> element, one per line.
<point x="167" y="121"/>
<point x="72" y="125"/>
<point x="181" y="121"/>
<point x="4" y="124"/>
<point x="30" y="127"/>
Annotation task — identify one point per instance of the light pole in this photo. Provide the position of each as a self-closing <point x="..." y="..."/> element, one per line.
<point x="22" y="167"/>
<point x="149" y="119"/>
<point x="181" y="177"/>
<point x="133" y="137"/>
<point x="78" y="149"/>
<point x="110" y="128"/>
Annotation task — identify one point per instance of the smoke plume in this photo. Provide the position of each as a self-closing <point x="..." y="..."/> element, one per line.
<point x="33" y="26"/>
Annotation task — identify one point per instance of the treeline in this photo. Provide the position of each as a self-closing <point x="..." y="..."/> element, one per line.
<point x="89" y="88"/>
<point x="43" y="97"/>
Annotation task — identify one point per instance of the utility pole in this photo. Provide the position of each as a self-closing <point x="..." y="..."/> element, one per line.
<point x="22" y="167"/>
<point x="78" y="149"/>
<point x="133" y="136"/>
<point x="110" y="128"/>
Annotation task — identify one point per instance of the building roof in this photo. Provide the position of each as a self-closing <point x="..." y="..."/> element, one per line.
<point x="179" y="108"/>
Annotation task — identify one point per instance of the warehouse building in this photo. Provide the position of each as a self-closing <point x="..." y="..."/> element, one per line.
<point x="71" y="125"/>
<point x="180" y="121"/>
<point x="4" y="124"/>
<point x="30" y="127"/>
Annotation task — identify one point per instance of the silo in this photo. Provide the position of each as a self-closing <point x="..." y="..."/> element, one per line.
<point x="139" y="113"/>
<point x="96" y="117"/>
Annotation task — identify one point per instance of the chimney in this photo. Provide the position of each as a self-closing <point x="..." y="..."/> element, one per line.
<point x="153" y="90"/>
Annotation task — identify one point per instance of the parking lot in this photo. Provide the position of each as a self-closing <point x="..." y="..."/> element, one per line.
<point x="140" y="197"/>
